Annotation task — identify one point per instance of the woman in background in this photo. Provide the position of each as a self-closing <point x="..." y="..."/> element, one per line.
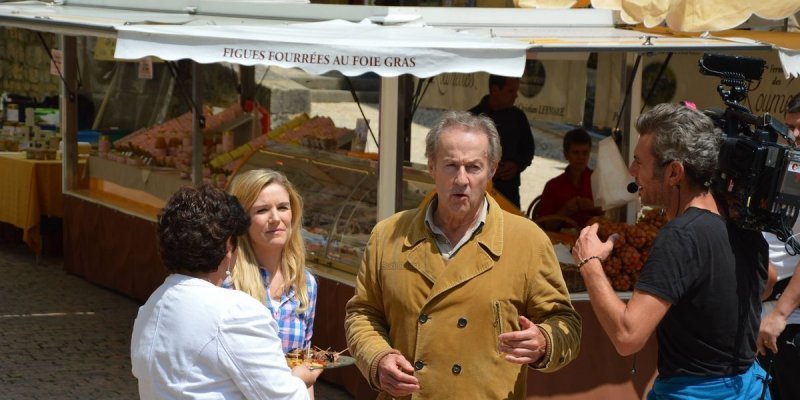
<point x="271" y="260"/>
<point x="193" y="339"/>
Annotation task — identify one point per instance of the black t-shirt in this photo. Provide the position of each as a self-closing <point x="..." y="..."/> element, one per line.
<point x="713" y="274"/>
<point x="515" y="135"/>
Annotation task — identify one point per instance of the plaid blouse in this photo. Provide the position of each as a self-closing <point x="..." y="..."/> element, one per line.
<point x="295" y="330"/>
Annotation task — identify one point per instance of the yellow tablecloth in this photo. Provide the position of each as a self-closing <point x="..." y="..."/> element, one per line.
<point x="28" y="190"/>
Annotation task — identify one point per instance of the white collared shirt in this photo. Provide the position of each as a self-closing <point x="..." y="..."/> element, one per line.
<point x="195" y="340"/>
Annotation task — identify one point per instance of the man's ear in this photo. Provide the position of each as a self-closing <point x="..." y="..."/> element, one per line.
<point x="493" y="169"/>
<point x="675" y="173"/>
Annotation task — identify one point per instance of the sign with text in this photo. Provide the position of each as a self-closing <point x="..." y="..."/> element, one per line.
<point x="350" y="48"/>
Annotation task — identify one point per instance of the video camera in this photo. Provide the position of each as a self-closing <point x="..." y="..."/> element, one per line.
<point x="760" y="175"/>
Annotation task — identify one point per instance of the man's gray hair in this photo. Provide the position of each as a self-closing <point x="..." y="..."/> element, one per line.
<point x="685" y="135"/>
<point x="473" y="123"/>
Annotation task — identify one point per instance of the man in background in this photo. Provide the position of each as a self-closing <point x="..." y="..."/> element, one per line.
<point x="780" y="329"/>
<point x="516" y="138"/>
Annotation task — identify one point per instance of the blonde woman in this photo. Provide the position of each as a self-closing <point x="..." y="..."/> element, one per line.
<point x="271" y="258"/>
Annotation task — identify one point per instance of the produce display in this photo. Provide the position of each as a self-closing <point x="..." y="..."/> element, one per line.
<point x="631" y="247"/>
<point x="169" y="145"/>
<point x="318" y="133"/>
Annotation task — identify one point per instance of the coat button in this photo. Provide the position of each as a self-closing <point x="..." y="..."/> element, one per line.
<point x="418" y="365"/>
<point x="462" y="322"/>
<point x="423" y="318"/>
<point x="456" y="369"/>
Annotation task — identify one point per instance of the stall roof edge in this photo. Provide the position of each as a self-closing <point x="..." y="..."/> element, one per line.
<point x="545" y="30"/>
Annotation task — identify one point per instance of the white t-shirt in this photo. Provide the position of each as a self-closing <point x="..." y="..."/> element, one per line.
<point x="784" y="264"/>
<point x="194" y="340"/>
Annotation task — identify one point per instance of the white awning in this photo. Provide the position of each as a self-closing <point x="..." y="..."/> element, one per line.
<point x="315" y="37"/>
<point x="318" y="47"/>
<point x="698" y="15"/>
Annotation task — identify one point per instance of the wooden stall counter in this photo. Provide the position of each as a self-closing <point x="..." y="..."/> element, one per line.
<point x="598" y="372"/>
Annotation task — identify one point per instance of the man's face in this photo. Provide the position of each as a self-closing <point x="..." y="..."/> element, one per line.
<point x="648" y="175"/>
<point x="461" y="170"/>
<point x="504" y="97"/>
<point x="792" y="121"/>
<point x="578" y="155"/>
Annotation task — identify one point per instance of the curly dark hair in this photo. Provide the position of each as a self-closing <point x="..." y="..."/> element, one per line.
<point x="195" y="225"/>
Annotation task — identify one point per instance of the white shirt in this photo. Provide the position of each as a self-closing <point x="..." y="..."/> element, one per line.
<point x="784" y="266"/>
<point x="194" y="340"/>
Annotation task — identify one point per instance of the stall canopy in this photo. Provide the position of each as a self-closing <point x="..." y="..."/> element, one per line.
<point x="709" y="18"/>
<point x="318" y="47"/>
<point x="422" y="41"/>
<point x="682" y="15"/>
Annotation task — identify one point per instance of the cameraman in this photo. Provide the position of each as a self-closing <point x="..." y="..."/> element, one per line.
<point x="784" y="319"/>
<point x="700" y="288"/>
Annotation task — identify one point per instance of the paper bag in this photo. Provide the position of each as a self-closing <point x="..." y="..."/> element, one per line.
<point x="610" y="179"/>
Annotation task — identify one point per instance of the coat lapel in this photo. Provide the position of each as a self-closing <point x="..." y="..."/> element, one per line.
<point x="421" y="248"/>
<point x="476" y="257"/>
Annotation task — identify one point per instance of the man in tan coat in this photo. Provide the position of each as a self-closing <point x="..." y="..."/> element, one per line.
<point x="457" y="299"/>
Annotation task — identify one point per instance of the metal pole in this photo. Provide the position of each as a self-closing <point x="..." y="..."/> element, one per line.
<point x="631" y="113"/>
<point x="390" y="161"/>
<point x="198" y="123"/>
<point x="69" y="112"/>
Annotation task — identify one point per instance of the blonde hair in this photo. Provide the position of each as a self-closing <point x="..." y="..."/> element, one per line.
<point x="246" y="187"/>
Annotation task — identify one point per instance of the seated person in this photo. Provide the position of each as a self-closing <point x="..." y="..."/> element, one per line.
<point x="570" y="194"/>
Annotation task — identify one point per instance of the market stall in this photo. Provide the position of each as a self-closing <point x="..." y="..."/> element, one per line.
<point x="348" y="194"/>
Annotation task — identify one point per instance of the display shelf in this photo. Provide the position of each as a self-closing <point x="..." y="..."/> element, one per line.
<point x="158" y="182"/>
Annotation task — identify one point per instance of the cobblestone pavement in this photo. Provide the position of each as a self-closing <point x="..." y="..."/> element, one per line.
<point x="64" y="338"/>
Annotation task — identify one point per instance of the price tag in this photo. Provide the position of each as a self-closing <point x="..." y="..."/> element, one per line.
<point x="146" y="68"/>
<point x="56" y="64"/>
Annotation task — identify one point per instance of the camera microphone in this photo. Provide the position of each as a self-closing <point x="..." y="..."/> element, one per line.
<point x="633" y="187"/>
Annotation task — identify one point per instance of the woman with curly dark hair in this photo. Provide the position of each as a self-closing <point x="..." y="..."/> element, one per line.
<point x="193" y="338"/>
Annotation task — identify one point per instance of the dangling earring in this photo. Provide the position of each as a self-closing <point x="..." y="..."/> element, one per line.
<point x="228" y="271"/>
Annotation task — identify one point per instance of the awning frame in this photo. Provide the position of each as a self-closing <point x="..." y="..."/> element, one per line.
<point x="99" y="17"/>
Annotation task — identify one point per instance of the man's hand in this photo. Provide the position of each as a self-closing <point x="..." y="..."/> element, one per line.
<point x="588" y="245"/>
<point x="396" y="375"/>
<point x="525" y="346"/>
<point x="771" y="327"/>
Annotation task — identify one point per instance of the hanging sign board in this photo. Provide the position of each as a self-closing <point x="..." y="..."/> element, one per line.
<point x="350" y="48"/>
